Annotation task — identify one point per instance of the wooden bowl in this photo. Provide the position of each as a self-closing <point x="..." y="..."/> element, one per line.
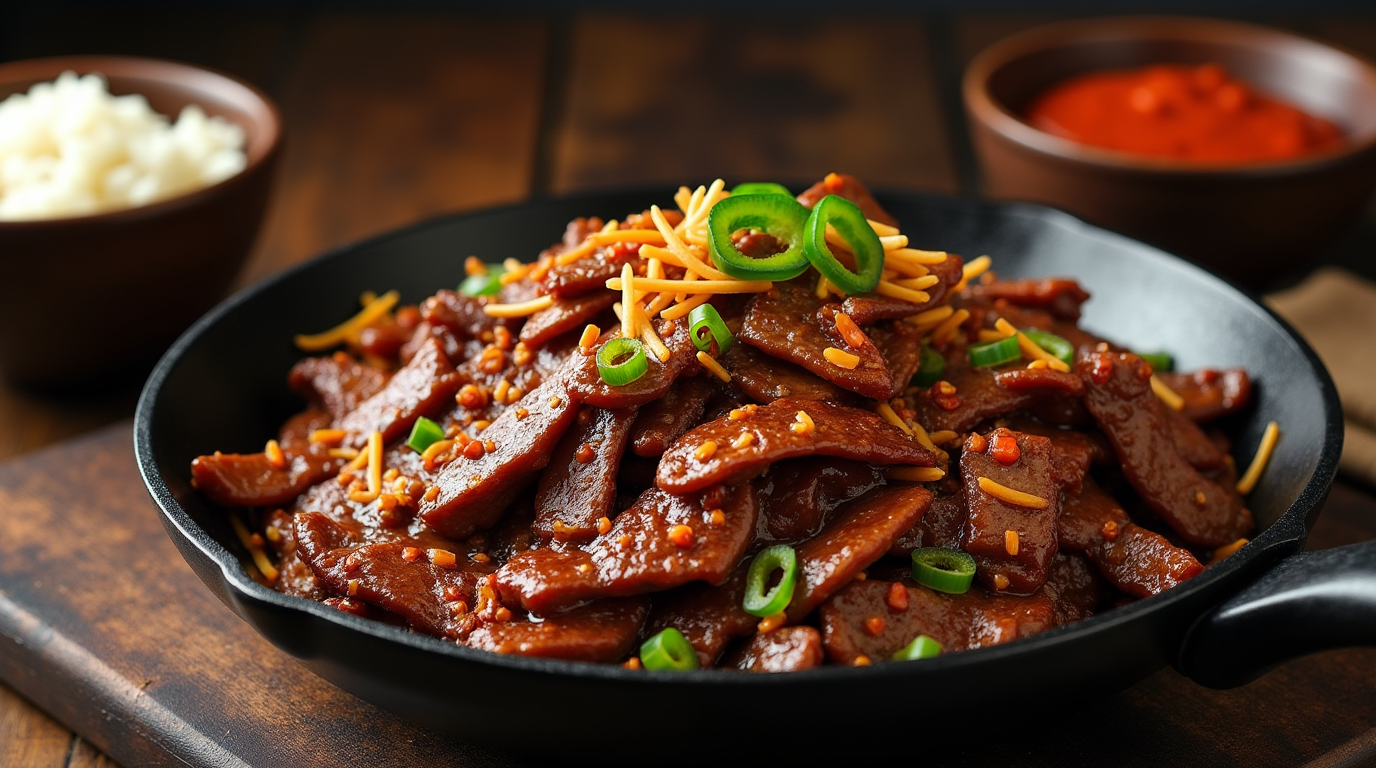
<point x="1255" y="223"/>
<point x="90" y="297"/>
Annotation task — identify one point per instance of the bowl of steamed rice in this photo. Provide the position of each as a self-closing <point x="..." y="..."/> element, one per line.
<point x="131" y="192"/>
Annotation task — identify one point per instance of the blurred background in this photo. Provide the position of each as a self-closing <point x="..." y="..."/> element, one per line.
<point x="399" y="111"/>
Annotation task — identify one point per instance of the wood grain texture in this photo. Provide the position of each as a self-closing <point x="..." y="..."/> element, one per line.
<point x="686" y="99"/>
<point x="393" y="119"/>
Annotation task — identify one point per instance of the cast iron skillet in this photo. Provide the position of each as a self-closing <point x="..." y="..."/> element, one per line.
<point x="223" y="386"/>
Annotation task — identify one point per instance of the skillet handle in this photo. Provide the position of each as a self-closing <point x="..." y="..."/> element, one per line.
<point x="1308" y="602"/>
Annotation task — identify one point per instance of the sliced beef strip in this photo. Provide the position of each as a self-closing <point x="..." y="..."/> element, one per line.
<point x="425" y="385"/>
<point x="1061" y="297"/>
<point x="1210" y="394"/>
<point x="989" y="519"/>
<point x="586" y="384"/>
<point x="1119" y="395"/>
<point x="663" y="421"/>
<point x="977" y="396"/>
<point x="861" y="533"/>
<point x="578" y="488"/>
<point x="1133" y="559"/>
<point x="941" y="525"/>
<point x="1075" y="588"/>
<point x="710" y="616"/>
<point x="642" y="552"/>
<point x="868" y="308"/>
<point x="254" y="480"/>
<point x="565" y="315"/>
<point x="432" y="598"/>
<point x="849" y="187"/>
<point x="294" y="576"/>
<point x="589" y="273"/>
<point x="797" y="497"/>
<point x="339" y="383"/>
<point x="765" y="378"/>
<point x="786" y="649"/>
<point x="461" y="315"/>
<point x="603" y="631"/>
<point x="840" y="431"/>
<point x="473" y="493"/>
<point x="876" y="619"/>
<point x="784" y="322"/>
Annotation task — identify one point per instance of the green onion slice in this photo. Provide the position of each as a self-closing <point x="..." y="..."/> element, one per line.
<point x="423" y="433"/>
<point x="707" y="329"/>
<point x="849" y="222"/>
<point x="1160" y="361"/>
<point x="995" y="352"/>
<point x="775" y="558"/>
<point x="774" y="214"/>
<point x="668" y="650"/>
<point x="942" y="569"/>
<point x="1053" y="344"/>
<point x="931" y="364"/>
<point x="923" y="647"/>
<point x="760" y="188"/>
<point x="621" y="361"/>
<point x="489" y="284"/>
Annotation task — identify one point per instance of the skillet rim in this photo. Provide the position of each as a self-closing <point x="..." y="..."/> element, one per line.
<point x="1285" y="535"/>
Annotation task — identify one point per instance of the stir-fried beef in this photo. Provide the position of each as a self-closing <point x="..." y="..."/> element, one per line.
<point x="549" y="512"/>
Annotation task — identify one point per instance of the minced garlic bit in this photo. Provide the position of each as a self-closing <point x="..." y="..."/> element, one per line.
<point x="743" y="440"/>
<point x="1010" y="542"/>
<point x="1009" y="496"/>
<point x="589" y="337"/>
<point x="804" y="425"/>
<point x="705" y="451"/>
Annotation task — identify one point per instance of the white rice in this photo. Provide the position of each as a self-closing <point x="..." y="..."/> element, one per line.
<point x="69" y="148"/>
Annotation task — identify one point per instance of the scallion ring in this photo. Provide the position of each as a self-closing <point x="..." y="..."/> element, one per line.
<point x="942" y="569"/>
<point x="931" y="364"/>
<point x="621" y="361"/>
<point x="1160" y="361"/>
<point x="760" y="188"/>
<point x="991" y="353"/>
<point x="849" y="222"/>
<point x="489" y="284"/>
<point x="779" y="216"/>
<point x="923" y="647"/>
<point x="668" y="650"/>
<point x="707" y="329"/>
<point x="1054" y="345"/>
<point x="779" y="557"/>
<point x="424" y="433"/>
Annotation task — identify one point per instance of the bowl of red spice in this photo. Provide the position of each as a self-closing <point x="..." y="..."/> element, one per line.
<point x="1246" y="149"/>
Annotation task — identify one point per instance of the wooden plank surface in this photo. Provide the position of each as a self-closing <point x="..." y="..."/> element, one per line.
<point x="104" y="625"/>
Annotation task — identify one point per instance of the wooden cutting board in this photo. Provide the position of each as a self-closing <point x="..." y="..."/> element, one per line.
<point x="103" y="625"/>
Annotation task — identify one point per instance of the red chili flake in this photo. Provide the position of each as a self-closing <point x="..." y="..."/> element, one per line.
<point x="501" y="336"/>
<point x="585" y="454"/>
<point x="474" y="450"/>
<point x="976" y="443"/>
<point x="897" y="597"/>
<point x="943" y="394"/>
<point x="874" y="625"/>
<point x="471" y="397"/>
<point x="452" y="593"/>
<point x="714" y="497"/>
<point x="489" y="446"/>
<point x="1005" y="449"/>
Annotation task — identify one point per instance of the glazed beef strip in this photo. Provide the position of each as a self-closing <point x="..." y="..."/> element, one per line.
<point x="339" y="383"/>
<point x="1012" y="542"/>
<point x="765" y="378"/>
<point x="1119" y="395"/>
<point x="875" y="619"/>
<point x="256" y="480"/>
<point x="578" y="488"/>
<point x="586" y="383"/>
<point x="662" y="541"/>
<point x="840" y="431"/>
<point x="786" y="649"/>
<point x="663" y="421"/>
<point x="1210" y="394"/>
<point x="565" y="315"/>
<point x="473" y="493"/>
<point x="710" y="616"/>
<point x="603" y="631"/>
<point x="422" y="386"/>
<point x="868" y="308"/>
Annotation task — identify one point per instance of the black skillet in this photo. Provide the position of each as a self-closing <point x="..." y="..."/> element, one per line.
<point x="222" y="387"/>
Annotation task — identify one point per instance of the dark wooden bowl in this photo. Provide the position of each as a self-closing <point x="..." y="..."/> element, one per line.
<point x="89" y="297"/>
<point x="1255" y="223"/>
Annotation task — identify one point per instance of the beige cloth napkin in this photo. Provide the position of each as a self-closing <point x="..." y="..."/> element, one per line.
<point x="1335" y="311"/>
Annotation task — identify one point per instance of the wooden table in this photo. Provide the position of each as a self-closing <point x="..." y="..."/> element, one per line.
<point x="394" y="117"/>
